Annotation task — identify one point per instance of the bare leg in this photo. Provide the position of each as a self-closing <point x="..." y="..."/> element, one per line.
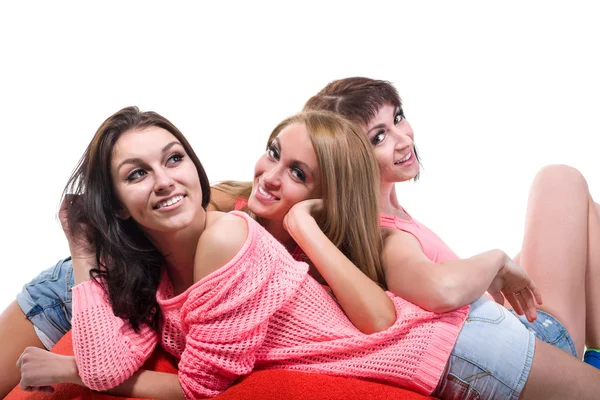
<point x="16" y="333"/>
<point x="560" y="250"/>
<point x="557" y="375"/>
<point x="592" y="288"/>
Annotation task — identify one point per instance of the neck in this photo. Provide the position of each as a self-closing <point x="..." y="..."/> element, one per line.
<point x="179" y="249"/>
<point x="276" y="229"/>
<point x="388" y="201"/>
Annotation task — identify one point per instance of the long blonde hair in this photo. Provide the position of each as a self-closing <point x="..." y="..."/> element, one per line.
<point x="349" y="179"/>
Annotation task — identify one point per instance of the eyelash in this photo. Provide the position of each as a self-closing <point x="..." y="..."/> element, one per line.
<point x="134" y="175"/>
<point x="273" y="151"/>
<point x="400" y="114"/>
<point x="296" y="172"/>
<point x="176" y="155"/>
<point x="399" y="117"/>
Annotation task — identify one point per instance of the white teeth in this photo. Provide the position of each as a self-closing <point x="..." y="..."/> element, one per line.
<point x="264" y="193"/>
<point x="405" y="158"/>
<point x="170" y="201"/>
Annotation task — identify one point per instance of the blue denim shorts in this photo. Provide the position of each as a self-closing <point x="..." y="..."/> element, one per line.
<point x="46" y="302"/>
<point x="493" y="353"/>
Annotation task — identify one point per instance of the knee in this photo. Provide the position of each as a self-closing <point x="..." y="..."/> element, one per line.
<point x="560" y="175"/>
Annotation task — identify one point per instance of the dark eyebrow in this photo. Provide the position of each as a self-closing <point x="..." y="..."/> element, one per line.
<point x="380" y="126"/>
<point x="140" y="161"/>
<point x="294" y="162"/>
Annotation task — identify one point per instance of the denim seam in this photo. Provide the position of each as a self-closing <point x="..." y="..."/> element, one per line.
<point x="496" y="321"/>
<point x="483" y="370"/>
<point x="44" y="308"/>
<point x="451" y="375"/>
<point x="529" y="356"/>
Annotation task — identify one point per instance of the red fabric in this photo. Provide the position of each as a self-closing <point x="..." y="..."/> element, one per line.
<point x="274" y="384"/>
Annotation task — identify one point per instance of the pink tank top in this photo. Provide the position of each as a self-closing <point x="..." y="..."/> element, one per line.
<point x="434" y="248"/>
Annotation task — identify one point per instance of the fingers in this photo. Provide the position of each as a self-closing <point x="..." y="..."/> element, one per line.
<point x="514" y="302"/>
<point x="536" y="292"/>
<point x="525" y="302"/>
<point x="498" y="297"/>
<point x="20" y="360"/>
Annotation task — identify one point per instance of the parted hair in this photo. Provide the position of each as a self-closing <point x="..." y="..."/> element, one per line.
<point x="358" y="99"/>
<point x="349" y="187"/>
<point x="129" y="266"/>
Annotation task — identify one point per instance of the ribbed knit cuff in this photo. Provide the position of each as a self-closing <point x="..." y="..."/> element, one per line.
<point x="87" y="294"/>
<point x="432" y="367"/>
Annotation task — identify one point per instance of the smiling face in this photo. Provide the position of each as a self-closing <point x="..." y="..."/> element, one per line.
<point x="392" y="139"/>
<point x="155" y="181"/>
<point x="286" y="174"/>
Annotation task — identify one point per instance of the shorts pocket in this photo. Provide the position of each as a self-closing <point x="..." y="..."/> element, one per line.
<point x="486" y="311"/>
<point x="57" y="317"/>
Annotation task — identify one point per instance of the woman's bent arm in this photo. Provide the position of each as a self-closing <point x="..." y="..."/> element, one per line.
<point x="452" y="284"/>
<point x="365" y="303"/>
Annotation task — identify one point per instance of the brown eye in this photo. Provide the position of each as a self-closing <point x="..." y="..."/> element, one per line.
<point x="378" y="138"/>
<point x="136" y="174"/>
<point x="175" y="158"/>
<point x="273" y="152"/>
<point x="298" y="174"/>
<point x="398" y="118"/>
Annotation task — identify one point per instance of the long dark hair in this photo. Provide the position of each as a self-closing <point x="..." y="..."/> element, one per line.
<point x="358" y="99"/>
<point x="129" y="266"/>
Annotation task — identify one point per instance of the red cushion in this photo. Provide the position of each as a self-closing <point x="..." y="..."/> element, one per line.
<point x="286" y="385"/>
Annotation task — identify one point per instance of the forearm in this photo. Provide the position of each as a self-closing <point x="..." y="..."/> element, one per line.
<point x="150" y="384"/>
<point x="365" y="303"/>
<point x="464" y="281"/>
<point x="81" y="267"/>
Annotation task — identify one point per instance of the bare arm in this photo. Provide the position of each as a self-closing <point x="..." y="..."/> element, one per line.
<point x="365" y="303"/>
<point x="40" y="369"/>
<point x="452" y="284"/>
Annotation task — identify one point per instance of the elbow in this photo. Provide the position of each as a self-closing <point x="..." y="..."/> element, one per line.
<point x="442" y="307"/>
<point x="380" y="322"/>
<point x="444" y="298"/>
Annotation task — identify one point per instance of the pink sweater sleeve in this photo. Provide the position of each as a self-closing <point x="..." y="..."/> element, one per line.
<point x="107" y="350"/>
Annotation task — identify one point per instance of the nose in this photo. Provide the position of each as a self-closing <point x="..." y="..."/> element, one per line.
<point x="272" y="177"/>
<point x="403" y="136"/>
<point x="163" y="182"/>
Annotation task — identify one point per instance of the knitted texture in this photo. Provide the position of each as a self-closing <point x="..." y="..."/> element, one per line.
<point x="107" y="350"/>
<point x="260" y="311"/>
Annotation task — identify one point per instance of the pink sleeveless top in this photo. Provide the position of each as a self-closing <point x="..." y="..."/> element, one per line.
<point x="434" y="248"/>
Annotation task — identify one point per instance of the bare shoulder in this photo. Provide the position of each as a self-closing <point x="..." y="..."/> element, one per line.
<point x="400" y="246"/>
<point x="222" y="239"/>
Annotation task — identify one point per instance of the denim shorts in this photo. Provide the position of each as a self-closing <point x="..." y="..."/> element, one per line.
<point x="46" y="302"/>
<point x="493" y="353"/>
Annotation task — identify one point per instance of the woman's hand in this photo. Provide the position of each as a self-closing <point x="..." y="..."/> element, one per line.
<point x="40" y="369"/>
<point x="79" y="245"/>
<point x="514" y="284"/>
<point x="300" y="210"/>
<point x="83" y="252"/>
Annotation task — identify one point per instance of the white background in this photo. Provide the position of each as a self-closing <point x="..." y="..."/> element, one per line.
<point x="493" y="92"/>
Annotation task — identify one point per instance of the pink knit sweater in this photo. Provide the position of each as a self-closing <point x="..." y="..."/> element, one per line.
<point x="260" y="310"/>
